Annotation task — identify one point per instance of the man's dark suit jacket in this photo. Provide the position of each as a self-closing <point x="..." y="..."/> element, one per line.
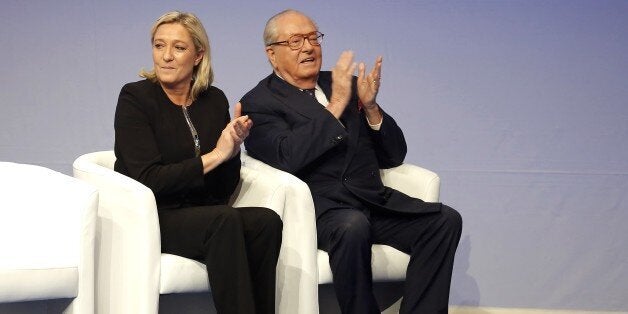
<point x="340" y="162"/>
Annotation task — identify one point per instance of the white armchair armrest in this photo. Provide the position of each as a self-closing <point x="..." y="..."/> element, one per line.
<point x="127" y="278"/>
<point x="297" y="272"/>
<point x="413" y="180"/>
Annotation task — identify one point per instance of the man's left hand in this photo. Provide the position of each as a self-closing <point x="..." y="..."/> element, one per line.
<point x="368" y="85"/>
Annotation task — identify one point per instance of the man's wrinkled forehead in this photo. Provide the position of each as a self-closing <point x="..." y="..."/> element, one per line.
<point x="295" y="23"/>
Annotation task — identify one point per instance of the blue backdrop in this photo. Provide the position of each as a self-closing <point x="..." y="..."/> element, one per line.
<point x="520" y="106"/>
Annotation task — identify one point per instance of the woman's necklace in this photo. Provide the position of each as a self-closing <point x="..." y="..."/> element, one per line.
<point x="197" y="142"/>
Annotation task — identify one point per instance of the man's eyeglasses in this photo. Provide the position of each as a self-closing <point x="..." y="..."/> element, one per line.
<point x="295" y="42"/>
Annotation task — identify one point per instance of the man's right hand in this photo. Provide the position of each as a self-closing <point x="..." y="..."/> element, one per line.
<point x="342" y="77"/>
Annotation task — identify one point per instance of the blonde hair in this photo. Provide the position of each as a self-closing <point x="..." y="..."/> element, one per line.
<point x="203" y="74"/>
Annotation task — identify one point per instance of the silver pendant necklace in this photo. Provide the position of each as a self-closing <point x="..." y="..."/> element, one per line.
<point x="197" y="142"/>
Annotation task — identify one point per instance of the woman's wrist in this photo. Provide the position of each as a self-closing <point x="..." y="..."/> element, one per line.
<point x="211" y="160"/>
<point x="219" y="156"/>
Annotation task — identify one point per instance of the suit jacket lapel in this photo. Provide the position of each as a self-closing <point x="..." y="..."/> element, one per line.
<point x="293" y="97"/>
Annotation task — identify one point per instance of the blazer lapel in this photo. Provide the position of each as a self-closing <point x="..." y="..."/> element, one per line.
<point x="293" y="97"/>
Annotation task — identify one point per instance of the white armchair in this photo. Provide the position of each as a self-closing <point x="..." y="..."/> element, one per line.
<point x="47" y="226"/>
<point x="389" y="264"/>
<point x="131" y="271"/>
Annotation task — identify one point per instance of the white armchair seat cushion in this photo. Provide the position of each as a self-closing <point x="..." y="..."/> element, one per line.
<point x="182" y="275"/>
<point x="388" y="264"/>
<point x="19" y="285"/>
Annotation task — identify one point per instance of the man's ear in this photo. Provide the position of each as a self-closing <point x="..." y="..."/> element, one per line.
<point x="270" y="53"/>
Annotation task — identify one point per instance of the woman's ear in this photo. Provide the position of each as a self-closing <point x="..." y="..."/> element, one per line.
<point x="199" y="57"/>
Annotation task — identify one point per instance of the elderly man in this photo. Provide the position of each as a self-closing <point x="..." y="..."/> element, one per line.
<point x="328" y="129"/>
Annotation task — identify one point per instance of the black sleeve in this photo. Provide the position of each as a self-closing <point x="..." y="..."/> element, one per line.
<point x="389" y="142"/>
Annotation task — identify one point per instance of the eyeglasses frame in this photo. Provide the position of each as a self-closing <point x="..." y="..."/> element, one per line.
<point x="317" y="41"/>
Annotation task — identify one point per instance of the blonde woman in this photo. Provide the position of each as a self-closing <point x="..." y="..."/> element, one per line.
<point x="174" y="135"/>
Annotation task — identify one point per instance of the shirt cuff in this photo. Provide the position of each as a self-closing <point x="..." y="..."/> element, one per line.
<point x="375" y="127"/>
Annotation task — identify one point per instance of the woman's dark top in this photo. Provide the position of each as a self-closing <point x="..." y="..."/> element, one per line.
<point x="154" y="145"/>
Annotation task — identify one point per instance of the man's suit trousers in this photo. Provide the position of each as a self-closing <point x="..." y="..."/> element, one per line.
<point x="430" y="239"/>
